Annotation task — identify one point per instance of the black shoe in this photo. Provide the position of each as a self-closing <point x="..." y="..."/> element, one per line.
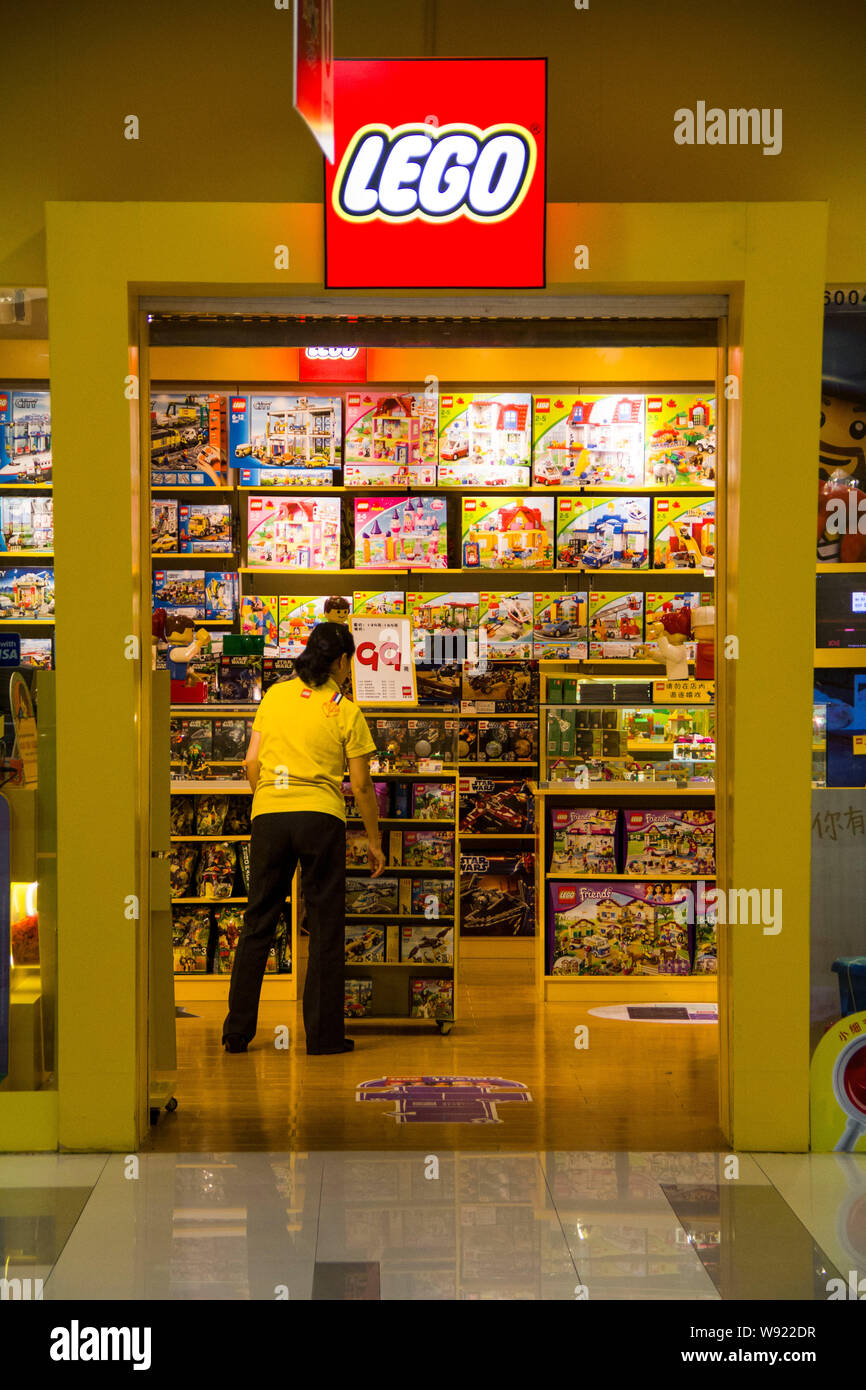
<point x="235" y="1043"/>
<point x="348" y="1045"/>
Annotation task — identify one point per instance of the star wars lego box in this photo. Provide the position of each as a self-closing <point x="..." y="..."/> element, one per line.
<point x="25" y="436"/>
<point x="587" y="441"/>
<point x="560" y="625"/>
<point x="505" y="626"/>
<point x="26" y="523"/>
<point x="404" y="741"/>
<point x="669" y="842"/>
<point x="430" y="943"/>
<point x="507" y="740"/>
<point x="164" y="526"/>
<point x="497" y="895"/>
<point x="438" y="684"/>
<point x="293" y="533"/>
<point x="390" y="440"/>
<point x="401" y="533"/>
<point x="495" y="805"/>
<point x="504" y="688"/>
<point x="204" y="527"/>
<point x="230" y="739"/>
<point x="188" y="439"/>
<point x="286" y="441"/>
<point x="615" y="623"/>
<point x="680" y="439"/>
<point x="484" y="440"/>
<point x="684" y="535"/>
<point x="583" y="840"/>
<point x="240" y="680"/>
<point x="275" y="669"/>
<point x="508" y="533"/>
<point x="602" y="533"/>
<point x="185" y="732"/>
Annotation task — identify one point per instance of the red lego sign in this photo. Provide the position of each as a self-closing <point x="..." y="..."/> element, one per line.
<point x="332" y="364"/>
<point x="438" y="177"/>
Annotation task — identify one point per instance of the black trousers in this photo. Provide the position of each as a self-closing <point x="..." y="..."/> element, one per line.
<point x="279" y="841"/>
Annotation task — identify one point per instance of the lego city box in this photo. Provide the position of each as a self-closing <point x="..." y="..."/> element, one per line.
<point x="188" y="439"/>
<point x="669" y="842"/>
<point x="484" y="440"/>
<point x="27" y="594"/>
<point x="505" y="626"/>
<point x="372" y="895"/>
<point x="25" y="436"/>
<point x="279" y="440"/>
<point x="560" y="625"/>
<point x="26" y="523"/>
<point x="293" y="532"/>
<point x="508" y="533"/>
<point x="390" y="439"/>
<point x="615" y="623"/>
<point x="204" y="527"/>
<point x="164" y="526"/>
<point x="497" y="895"/>
<point x="680" y="440"/>
<point x="495" y="805"/>
<point x="602" y="533"/>
<point x="179" y="592"/>
<point x="587" y="441"/>
<point x="401" y="533"/>
<point x="684" y="534"/>
<point x="583" y="839"/>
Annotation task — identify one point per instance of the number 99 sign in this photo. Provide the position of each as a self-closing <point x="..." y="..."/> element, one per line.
<point x="383" y="672"/>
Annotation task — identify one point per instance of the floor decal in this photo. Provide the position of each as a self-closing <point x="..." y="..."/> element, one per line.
<point x="659" y="1013"/>
<point x="443" y="1099"/>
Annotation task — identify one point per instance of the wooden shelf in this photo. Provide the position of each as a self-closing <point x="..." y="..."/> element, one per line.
<point x="400" y="965"/>
<point x="26" y="487"/>
<point x="470" y="762"/>
<point x="193" y="555"/>
<point x="206" y="788"/>
<point x="496" y="835"/>
<point x="634" y="878"/>
<point x="161" y="489"/>
<point x="624" y="789"/>
<point x="26" y="622"/>
<point x="199" y="839"/>
<point x="26" y="554"/>
<point x="208" y="902"/>
<point x="638" y="989"/>
<point x="842" y="569"/>
<point x="841" y="656"/>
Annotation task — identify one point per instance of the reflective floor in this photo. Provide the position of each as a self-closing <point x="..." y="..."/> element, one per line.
<point x="419" y="1226"/>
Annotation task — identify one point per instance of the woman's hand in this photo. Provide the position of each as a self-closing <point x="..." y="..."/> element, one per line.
<point x="376" y="860"/>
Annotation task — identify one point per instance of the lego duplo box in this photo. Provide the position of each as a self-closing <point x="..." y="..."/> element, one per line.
<point x="559" y="626"/>
<point x="298" y="615"/>
<point x="25" y="436"/>
<point x="602" y="533"/>
<point x="505" y="626"/>
<point x="660" y="604"/>
<point x="684" y="534"/>
<point x="260" y="618"/>
<point x="293" y="533"/>
<point x="587" y="440"/>
<point x="452" y="615"/>
<point x="615" y="623"/>
<point x="390" y="439"/>
<point x="484" y="440"/>
<point x="276" y="440"/>
<point x="680" y="440"/>
<point x="669" y="842"/>
<point x="188" y="439"/>
<point x="367" y="602"/>
<point x="508" y="532"/>
<point x="584" y="840"/>
<point x="401" y="533"/>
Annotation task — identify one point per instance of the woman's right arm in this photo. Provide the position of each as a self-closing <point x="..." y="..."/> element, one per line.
<point x="365" y="800"/>
<point x="251" y="761"/>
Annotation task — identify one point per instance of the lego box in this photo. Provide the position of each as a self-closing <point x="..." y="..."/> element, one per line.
<point x="505" y="627"/>
<point x="602" y="930"/>
<point x="164" y="526"/>
<point x="560" y="625"/>
<point x="293" y="533"/>
<point x="497" y="895"/>
<point x="390" y="440"/>
<point x="221" y="594"/>
<point x="298" y="615"/>
<point x="430" y="944"/>
<point x="506" y="688"/>
<point x="484" y="440"/>
<point x="260" y="618"/>
<point x="180" y="592"/>
<point x="358" y="998"/>
<point x="428" y="897"/>
<point x="583" y="840"/>
<point x="433" y="801"/>
<point x="680" y="441"/>
<point x="588" y="441"/>
<point x="669" y="842"/>
<point x="365" y="941"/>
<point x="660" y="604"/>
<point x="684" y="534"/>
<point x="615" y="623"/>
<point x="204" y="527"/>
<point x="602" y="533"/>
<point x="451" y="617"/>
<point x="277" y="440"/>
<point x="26" y="523"/>
<point x="188" y="439"/>
<point x="401" y="533"/>
<point x="25" y="436"/>
<point x="508" y="740"/>
<point x="495" y="805"/>
<point x="370" y="602"/>
<point x="431" y="998"/>
<point x="423" y="849"/>
<point x="365" y="896"/>
<point x="508" y="533"/>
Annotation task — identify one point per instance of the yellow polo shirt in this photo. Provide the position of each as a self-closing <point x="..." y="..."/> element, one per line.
<point x="307" y="734"/>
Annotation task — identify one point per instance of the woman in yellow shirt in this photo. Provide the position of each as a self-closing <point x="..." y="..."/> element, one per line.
<point x="305" y="733"/>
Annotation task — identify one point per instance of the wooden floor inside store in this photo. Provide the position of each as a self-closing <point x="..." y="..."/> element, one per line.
<point x="637" y="1086"/>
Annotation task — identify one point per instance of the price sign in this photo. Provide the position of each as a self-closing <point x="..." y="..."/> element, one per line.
<point x="383" y="669"/>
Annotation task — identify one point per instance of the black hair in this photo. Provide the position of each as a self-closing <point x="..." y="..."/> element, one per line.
<point x="327" y="643"/>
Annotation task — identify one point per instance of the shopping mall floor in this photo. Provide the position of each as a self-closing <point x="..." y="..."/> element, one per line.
<point x="538" y="1170"/>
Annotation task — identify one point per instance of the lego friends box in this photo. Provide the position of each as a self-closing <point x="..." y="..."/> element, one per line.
<point x="390" y="440"/>
<point x="508" y="533"/>
<point x="401" y="533"/>
<point x="587" y="440"/>
<point x="484" y="441"/>
<point x="632" y="929"/>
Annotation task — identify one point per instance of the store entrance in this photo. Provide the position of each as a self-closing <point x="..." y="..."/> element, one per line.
<point x="539" y="497"/>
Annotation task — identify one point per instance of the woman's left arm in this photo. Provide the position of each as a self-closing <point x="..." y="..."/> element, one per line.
<point x="251" y="761"/>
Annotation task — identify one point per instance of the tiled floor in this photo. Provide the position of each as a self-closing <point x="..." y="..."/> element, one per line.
<point x="425" y="1226"/>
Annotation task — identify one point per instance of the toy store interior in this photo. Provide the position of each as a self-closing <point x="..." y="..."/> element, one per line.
<point x="545" y="517"/>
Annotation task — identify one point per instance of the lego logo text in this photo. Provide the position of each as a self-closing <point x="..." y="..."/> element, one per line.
<point x="416" y="171"/>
